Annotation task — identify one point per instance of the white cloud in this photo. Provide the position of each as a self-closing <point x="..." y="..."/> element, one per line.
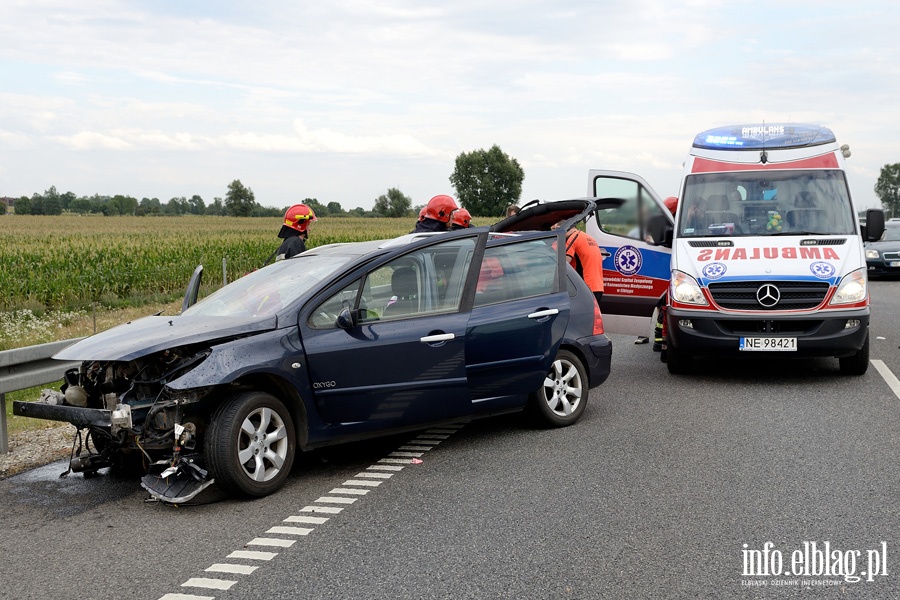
<point x="91" y="140"/>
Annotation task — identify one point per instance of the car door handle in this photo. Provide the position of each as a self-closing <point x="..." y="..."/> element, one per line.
<point x="547" y="312"/>
<point x="605" y="253"/>
<point x="440" y="337"/>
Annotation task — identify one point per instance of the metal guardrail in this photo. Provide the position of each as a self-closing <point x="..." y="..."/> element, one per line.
<point x="27" y="367"/>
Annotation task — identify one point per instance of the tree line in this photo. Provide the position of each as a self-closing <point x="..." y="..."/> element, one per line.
<point x="485" y="182"/>
<point x="887" y="188"/>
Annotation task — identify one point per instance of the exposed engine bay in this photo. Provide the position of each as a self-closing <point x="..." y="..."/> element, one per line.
<point x="126" y="417"/>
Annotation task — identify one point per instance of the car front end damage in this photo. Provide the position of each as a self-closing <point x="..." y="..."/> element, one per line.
<point x="126" y="415"/>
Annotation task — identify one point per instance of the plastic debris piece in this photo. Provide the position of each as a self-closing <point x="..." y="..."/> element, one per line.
<point x="416" y="461"/>
<point x="880" y="337"/>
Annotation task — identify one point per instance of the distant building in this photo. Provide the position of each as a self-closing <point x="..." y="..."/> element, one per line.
<point x="9" y="202"/>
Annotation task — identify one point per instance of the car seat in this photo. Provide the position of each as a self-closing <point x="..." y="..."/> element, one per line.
<point x="806" y="216"/>
<point x="718" y="211"/>
<point x="405" y="289"/>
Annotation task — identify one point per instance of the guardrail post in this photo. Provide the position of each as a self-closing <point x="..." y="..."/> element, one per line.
<point x="4" y="439"/>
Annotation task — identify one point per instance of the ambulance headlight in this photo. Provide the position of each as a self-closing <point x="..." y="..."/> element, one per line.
<point x="872" y="254"/>
<point x="853" y="288"/>
<point x="684" y="289"/>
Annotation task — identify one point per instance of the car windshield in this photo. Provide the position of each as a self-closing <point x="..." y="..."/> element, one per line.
<point x="765" y="203"/>
<point x="891" y="234"/>
<point x="264" y="292"/>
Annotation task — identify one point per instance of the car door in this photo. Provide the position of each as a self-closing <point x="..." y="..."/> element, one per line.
<point x="519" y="315"/>
<point x="636" y="270"/>
<point x="402" y="359"/>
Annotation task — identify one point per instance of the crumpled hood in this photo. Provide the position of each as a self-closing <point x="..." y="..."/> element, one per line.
<point x="821" y="258"/>
<point x="153" y="334"/>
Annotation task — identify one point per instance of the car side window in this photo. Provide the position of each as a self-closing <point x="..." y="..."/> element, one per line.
<point x="326" y="314"/>
<point x="518" y="270"/>
<point x="426" y="281"/>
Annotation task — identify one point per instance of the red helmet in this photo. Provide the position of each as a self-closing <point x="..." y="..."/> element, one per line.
<point x="440" y="207"/>
<point x="299" y="217"/>
<point x="671" y="203"/>
<point x="422" y="213"/>
<point x="461" y="219"/>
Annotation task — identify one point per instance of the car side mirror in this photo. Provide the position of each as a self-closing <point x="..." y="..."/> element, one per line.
<point x="874" y="227"/>
<point x="660" y="230"/>
<point x="345" y="319"/>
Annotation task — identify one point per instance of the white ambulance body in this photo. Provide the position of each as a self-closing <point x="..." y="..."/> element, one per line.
<point x="766" y="250"/>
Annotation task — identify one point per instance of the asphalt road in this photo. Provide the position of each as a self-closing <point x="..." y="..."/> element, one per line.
<point x="653" y="494"/>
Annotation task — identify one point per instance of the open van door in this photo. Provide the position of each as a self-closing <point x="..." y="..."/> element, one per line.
<point x="637" y="269"/>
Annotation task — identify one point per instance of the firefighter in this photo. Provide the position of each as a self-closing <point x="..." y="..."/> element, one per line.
<point x="294" y="231"/>
<point x="437" y="214"/>
<point x="461" y="219"/>
<point x="659" y="332"/>
<point x="584" y="255"/>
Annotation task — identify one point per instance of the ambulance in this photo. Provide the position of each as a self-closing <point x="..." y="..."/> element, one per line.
<point x="764" y="256"/>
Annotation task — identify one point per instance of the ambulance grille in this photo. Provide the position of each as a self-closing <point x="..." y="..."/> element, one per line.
<point x="795" y="295"/>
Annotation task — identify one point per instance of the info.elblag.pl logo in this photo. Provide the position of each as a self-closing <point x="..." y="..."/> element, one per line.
<point x="821" y="561"/>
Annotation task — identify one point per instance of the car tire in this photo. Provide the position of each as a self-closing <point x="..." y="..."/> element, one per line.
<point x="678" y="361"/>
<point x="250" y="444"/>
<point x="561" y="399"/>
<point x="858" y="363"/>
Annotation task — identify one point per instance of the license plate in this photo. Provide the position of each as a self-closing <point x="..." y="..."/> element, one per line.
<point x="894" y="263"/>
<point x="769" y="344"/>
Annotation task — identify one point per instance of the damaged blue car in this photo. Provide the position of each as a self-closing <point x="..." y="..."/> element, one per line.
<point x="341" y="343"/>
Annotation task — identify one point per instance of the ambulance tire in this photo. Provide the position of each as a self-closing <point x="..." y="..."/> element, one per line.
<point x="678" y="361"/>
<point x="857" y="364"/>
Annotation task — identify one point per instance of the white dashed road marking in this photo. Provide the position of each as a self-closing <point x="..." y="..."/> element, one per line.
<point x="336" y="500"/>
<point x="252" y="555"/>
<point x="888" y="376"/>
<point x="331" y="510"/>
<point x="229" y="568"/>
<point x="306" y="519"/>
<point x="351" y="491"/>
<point x="205" y="582"/>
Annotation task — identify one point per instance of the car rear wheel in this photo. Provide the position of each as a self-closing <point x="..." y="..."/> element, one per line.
<point x="561" y="399"/>
<point x="250" y="444"/>
<point x="857" y="364"/>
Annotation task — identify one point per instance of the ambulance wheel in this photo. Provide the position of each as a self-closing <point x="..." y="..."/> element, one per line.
<point x="678" y="361"/>
<point x="250" y="444"/>
<point x="857" y="364"/>
<point x="561" y="399"/>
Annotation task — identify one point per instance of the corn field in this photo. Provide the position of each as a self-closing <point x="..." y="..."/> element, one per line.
<point x="58" y="262"/>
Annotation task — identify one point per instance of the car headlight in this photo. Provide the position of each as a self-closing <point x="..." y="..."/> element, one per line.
<point x="872" y="254"/>
<point x="685" y="289"/>
<point x="853" y="288"/>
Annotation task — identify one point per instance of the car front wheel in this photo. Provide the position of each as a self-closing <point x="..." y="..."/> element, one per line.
<point x="250" y="444"/>
<point x="561" y="399"/>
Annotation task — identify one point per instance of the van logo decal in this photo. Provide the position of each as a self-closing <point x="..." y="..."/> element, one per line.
<point x="768" y="295"/>
<point x="628" y="260"/>
<point x="822" y="270"/>
<point x="318" y="385"/>
<point x="714" y="270"/>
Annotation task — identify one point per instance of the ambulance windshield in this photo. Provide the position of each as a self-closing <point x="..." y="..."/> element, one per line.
<point x="765" y="203"/>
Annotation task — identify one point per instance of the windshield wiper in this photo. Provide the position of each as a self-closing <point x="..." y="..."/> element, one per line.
<point x="797" y="233"/>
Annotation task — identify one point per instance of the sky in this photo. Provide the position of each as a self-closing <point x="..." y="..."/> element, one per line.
<point x="341" y="100"/>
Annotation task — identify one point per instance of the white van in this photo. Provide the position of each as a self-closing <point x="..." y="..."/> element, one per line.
<point x="764" y="255"/>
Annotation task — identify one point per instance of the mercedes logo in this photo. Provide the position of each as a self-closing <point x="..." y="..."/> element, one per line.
<point x="768" y="295"/>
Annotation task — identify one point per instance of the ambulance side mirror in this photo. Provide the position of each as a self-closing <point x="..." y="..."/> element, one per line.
<point x="660" y="230"/>
<point x="874" y="227"/>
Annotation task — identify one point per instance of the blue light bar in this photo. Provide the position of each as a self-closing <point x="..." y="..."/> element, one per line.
<point x="756" y="137"/>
